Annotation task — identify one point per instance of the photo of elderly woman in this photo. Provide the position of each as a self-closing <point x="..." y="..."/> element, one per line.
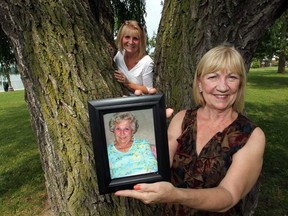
<point x="129" y="155"/>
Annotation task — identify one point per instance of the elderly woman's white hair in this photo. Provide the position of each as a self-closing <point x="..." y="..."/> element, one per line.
<point x="119" y="117"/>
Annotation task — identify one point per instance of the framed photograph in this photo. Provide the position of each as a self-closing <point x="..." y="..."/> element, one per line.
<point x="129" y="136"/>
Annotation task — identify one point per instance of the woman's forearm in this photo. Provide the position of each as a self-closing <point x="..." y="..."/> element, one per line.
<point x="213" y="199"/>
<point x="132" y="87"/>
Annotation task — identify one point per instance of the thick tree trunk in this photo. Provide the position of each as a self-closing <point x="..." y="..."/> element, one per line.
<point x="189" y="28"/>
<point x="63" y="56"/>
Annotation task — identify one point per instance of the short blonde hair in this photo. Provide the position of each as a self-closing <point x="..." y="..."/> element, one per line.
<point x="134" y="27"/>
<point x="220" y="58"/>
<point x="122" y="116"/>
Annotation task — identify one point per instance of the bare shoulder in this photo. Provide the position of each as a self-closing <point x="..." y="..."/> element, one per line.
<point x="174" y="131"/>
<point x="255" y="145"/>
<point x="175" y="128"/>
<point x="177" y="120"/>
<point x="258" y="132"/>
<point x="257" y="139"/>
<point x="179" y="116"/>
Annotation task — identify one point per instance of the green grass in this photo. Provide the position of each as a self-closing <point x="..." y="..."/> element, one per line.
<point x="267" y="105"/>
<point x="22" y="189"/>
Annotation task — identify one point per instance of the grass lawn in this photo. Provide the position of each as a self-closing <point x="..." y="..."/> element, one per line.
<point x="22" y="189"/>
<point x="267" y="105"/>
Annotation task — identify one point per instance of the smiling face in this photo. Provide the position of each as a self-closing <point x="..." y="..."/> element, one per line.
<point x="220" y="89"/>
<point x="132" y="38"/>
<point x="131" y="42"/>
<point x="222" y="75"/>
<point x="123" y="132"/>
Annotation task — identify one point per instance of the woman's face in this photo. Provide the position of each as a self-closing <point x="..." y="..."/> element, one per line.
<point x="219" y="89"/>
<point x="123" y="132"/>
<point x="131" y="42"/>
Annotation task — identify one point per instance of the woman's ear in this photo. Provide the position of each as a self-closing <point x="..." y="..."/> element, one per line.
<point x="200" y="87"/>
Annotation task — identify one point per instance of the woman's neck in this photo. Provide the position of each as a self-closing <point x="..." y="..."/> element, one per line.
<point x="217" y="116"/>
<point x="131" y="59"/>
<point x="133" y="56"/>
<point x="123" y="147"/>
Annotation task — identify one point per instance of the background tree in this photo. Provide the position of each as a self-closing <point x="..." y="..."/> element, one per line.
<point x="274" y="43"/>
<point x="151" y="44"/>
<point x="129" y="10"/>
<point x="7" y="59"/>
<point x="283" y="33"/>
<point x="63" y="56"/>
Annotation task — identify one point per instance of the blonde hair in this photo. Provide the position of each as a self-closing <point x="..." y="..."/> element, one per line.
<point x="134" y="27"/>
<point x="221" y="58"/>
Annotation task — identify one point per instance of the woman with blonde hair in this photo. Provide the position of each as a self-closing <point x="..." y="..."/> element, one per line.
<point x="135" y="67"/>
<point x="216" y="153"/>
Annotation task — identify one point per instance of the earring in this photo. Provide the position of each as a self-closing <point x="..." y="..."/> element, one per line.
<point x="200" y="89"/>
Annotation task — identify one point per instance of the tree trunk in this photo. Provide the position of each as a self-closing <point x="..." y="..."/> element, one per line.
<point x="6" y="74"/>
<point x="63" y="56"/>
<point x="189" y="28"/>
<point x="282" y="62"/>
<point x="282" y="54"/>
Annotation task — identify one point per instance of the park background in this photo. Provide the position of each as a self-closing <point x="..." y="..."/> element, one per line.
<point x="266" y="105"/>
<point x="23" y="191"/>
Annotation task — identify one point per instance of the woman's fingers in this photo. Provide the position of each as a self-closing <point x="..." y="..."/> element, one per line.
<point x="169" y="112"/>
<point x="138" y="92"/>
<point x="152" y="91"/>
<point x="120" y="77"/>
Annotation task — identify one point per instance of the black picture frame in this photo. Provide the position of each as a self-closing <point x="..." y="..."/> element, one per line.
<point x="153" y="109"/>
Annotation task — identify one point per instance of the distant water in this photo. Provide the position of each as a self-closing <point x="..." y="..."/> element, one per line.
<point x="16" y="82"/>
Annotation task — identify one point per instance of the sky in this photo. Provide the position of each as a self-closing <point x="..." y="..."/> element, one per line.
<point x="153" y="10"/>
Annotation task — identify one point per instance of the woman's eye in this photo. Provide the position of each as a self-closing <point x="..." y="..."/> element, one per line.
<point x="212" y="77"/>
<point x="233" y="77"/>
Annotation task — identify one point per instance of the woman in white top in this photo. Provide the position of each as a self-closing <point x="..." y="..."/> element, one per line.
<point x="135" y="67"/>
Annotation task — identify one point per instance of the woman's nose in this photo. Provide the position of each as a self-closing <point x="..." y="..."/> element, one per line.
<point x="222" y="85"/>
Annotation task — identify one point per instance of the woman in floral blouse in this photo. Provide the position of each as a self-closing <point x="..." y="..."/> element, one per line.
<point x="216" y="152"/>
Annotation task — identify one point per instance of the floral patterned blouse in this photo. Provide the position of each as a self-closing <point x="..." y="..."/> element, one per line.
<point x="138" y="160"/>
<point x="206" y="170"/>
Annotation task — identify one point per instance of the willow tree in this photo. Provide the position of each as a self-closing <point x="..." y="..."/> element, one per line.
<point x="7" y="59"/>
<point x="63" y="51"/>
<point x="128" y="10"/>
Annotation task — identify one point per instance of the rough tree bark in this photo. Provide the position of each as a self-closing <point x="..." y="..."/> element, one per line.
<point x="189" y="28"/>
<point x="62" y="50"/>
